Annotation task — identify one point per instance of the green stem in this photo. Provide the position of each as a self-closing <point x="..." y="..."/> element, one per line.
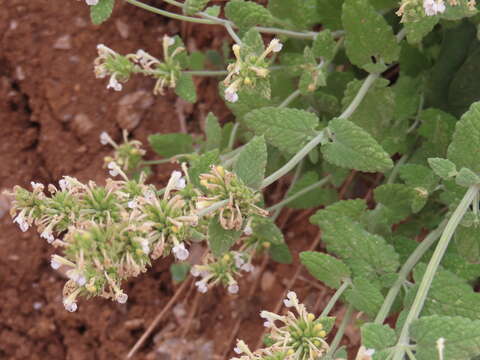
<point x="169" y="14"/>
<point x="341" y="330"/>
<point x="211" y="208"/>
<point x="233" y="135"/>
<point x="407" y="267"/>
<point x="302" y="192"/>
<point x="333" y="300"/>
<point x="290" y="98"/>
<point x="432" y="267"/>
<point x="206" y="72"/>
<point x="394" y="173"/>
<point x="367" y="83"/>
<point x="296" y="176"/>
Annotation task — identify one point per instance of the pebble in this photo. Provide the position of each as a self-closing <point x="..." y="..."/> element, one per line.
<point x="132" y="107"/>
<point x="63" y="43"/>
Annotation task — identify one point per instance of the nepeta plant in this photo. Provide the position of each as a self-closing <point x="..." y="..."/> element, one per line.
<point x="380" y="87"/>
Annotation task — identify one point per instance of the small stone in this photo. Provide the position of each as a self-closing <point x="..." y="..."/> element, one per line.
<point x="132" y="107"/>
<point x="123" y="28"/>
<point x="63" y="43"/>
<point x="82" y="124"/>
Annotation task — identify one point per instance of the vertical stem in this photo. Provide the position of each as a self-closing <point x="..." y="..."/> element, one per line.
<point x="333" y="300"/>
<point x="432" y="269"/>
<point x="341" y="330"/>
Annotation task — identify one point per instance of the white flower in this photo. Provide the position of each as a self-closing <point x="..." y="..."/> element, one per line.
<point x="247" y="267"/>
<point x="113" y="168"/>
<point x="195" y="272"/>
<point x="201" y="286"/>
<point x="47" y="234"/>
<point x="104" y="138"/>
<point x="369" y="352"/>
<point x="91" y="2"/>
<point x="36" y="186"/>
<point x="248" y="230"/>
<point x="237" y="350"/>
<point x="77" y="276"/>
<point x="275" y="45"/>
<point x="149" y="195"/>
<point x="70" y="305"/>
<point x="132" y="204"/>
<point x="168" y="40"/>
<point x="266" y="315"/>
<point x="231" y="95"/>
<point x="63" y="183"/>
<point x="291" y="299"/>
<point x="144" y="244"/>
<point x="180" y="252"/>
<point x="177" y="181"/>
<point x="22" y="223"/>
<point x="121" y="297"/>
<point x="433" y="7"/>
<point x="54" y="264"/>
<point x="114" y="84"/>
<point x="233" y="288"/>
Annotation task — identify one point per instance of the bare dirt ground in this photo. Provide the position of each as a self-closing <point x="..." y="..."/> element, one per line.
<point x="52" y="110"/>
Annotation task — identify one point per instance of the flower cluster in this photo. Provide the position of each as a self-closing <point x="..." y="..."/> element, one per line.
<point x="248" y="69"/>
<point x="112" y="232"/>
<point x="414" y="10"/>
<point x="128" y="155"/>
<point x="291" y="337"/>
<point x="119" y="67"/>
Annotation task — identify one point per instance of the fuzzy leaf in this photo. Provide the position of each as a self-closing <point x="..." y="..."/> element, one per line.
<point x="465" y="146"/>
<point x="364" y="296"/>
<point x="368" y="36"/>
<point x="467" y="177"/>
<point x="443" y="167"/>
<point x="352" y="147"/>
<point x="266" y="231"/>
<point x="461" y="337"/>
<point x="325" y="268"/>
<point x="281" y="253"/>
<point x="396" y="199"/>
<point x="352" y="209"/>
<point x="193" y="6"/>
<point x="251" y="164"/>
<point x="324" y="45"/>
<point x="330" y="13"/>
<point x="179" y="271"/>
<point x="201" y="164"/>
<point x="168" y="145"/>
<point x="416" y="30"/>
<point x="102" y="11"/>
<point x="467" y="242"/>
<point x="185" y="88"/>
<point x="287" y="129"/>
<point x="246" y="14"/>
<point x="219" y="239"/>
<point x="418" y="176"/>
<point x="377" y="336"/>
<point x="300" y="14"/>
<point x="213" y="131"/>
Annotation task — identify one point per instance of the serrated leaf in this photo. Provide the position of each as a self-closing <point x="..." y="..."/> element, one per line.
<point x="324" y="45"/>
<point x="213" y="132"/>
<point x="443" y="167"/>
<point x="416" y="30"/>
<point x="168" y="145"/>
<point x="364" y="296"/>
<point x="301" y="15"/>
<point x="185" y="88"/>
<point x="213" y="10"/>
<point x="368" y="36"/>
<point x="179" y="271"/>
<point x="315" y="197"/>
<point x="248" y="99"/>
<point x="102" y="11"/>
<point x="330" y="13"/>
<point x="287" y="129"/>
<point x="325" y="268"/>
<point x="418" y="176"/>
<point x="467" y="242"/>
<point x="201" y="164"/>
<point x="461" y="337"/>
<point x="465" y="146"/>
<point x="352" y="209"/>
<point x="193" y="6"/>
<point x="396" y="200"/>
<point x="352" y="147"/>
<point x="251" y="163"/>
<point x="246" y="14"/>
<point x="220" y="240"/>
<point x="467" y="177"/>
<point x="266" y="231"/>
<point x="367" y="255"/>
<point x="377" y="336"/>
<point x="281" y="253"/>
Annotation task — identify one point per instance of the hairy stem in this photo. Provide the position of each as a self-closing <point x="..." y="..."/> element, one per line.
<point x="333" y="300"/>
<point x="341" y="330"/>
<point x="432" y="268"/>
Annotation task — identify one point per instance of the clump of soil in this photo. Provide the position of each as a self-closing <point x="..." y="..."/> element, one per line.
<point x="52" y="111"/>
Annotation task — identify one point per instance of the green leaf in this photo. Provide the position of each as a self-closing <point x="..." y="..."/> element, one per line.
<point x="368" y="36"/>
<point x="324" y="45"/>
<point x="102" y="11"/>
<point x="201" y="164"/>
<point x="251" y="163"/>
<point x="287" y="129"/>
<point x="461" y="337"/>
<point x="265" y="230"/>
<point x="315" y="197"/>
<point x="364" y="296"/>
<point x="193" y="6"/>
<point x="311" y="79"/>
<point x="396" y="200"/>
<point x="185" y="88"/>
<point x="300" y="14"/>
<point x="219" y="239"/>
<point x="443" y="167"/>
<point x="368" y="255"/>
<point x="179" y="271"/>
<point x="325" y="268"/>
<point x="213" y="10"/>
<point x="280" y="253"/>
<point x="467" y="177"/>
<point x="377" y="336"/>
<point x="465" y="146"/>
<point x="352" y="147"/>
<point x="168" y="145"/>
<point x="416" y="30"/>
<point x="246" y="14"/>
<point x="353" y="209"/>
<point x="248" y="99"/>
<point x="467" y="241"/>
<point x="418" y="176"/>
<point x="213" y="131"/>
<point x="330" y="13"/>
